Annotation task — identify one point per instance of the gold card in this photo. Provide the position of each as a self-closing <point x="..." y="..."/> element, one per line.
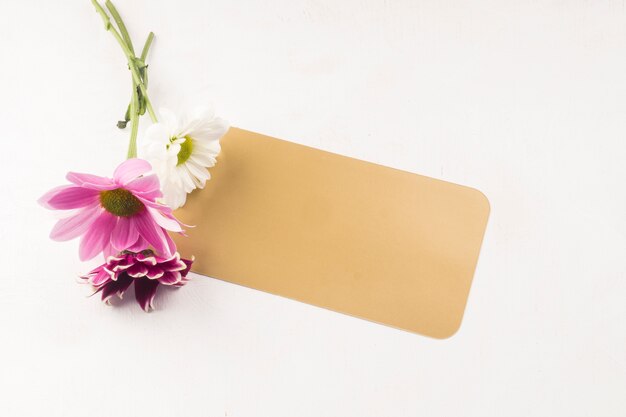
<point x="362" y="239"/>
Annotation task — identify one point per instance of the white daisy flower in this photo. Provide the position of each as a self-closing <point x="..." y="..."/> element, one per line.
<point x="181" y="149"/>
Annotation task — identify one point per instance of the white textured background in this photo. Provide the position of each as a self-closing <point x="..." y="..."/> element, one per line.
<point x="525" y="100"/>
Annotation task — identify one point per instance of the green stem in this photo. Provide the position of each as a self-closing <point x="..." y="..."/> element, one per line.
<point x="148" y="103"/>
<point x="123" y="40"/>
<point x="120" y="24"/>
<point x="142" y="87"/>
<point x="146" y="47"/>
<point x="109" y="26"/>
<point x="134" y="119"/>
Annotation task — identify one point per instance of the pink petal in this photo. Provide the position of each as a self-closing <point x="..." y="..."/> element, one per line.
<point x="149" y="197"/>
<point x="97" y="237"/>
<point x="43" y="200"/>
<point x="184" y="274"/>
<point x="69" y="197"/>
<point x="130" y="169"/>
<point x="137" y="270"/>
<point x="116" y="287"/>
<point x="165" y="222"/>
<point x="171" y="246"/>
<point x="151" y="203"/>
<point x="170" y="278"/>
<point x="187" y="262"/>
<point x="174" y="263"/>
<point x="113" y="263"/>
<point x="151" y="232"/>
<point x="124" y="234"/>
<point x="155" y="272"/>
<point x="118" y="268"/>
<point x="74" y="226"/>
<point x="139" y="245"/>
<point x="90" y="181"/>
<point x="101" y="278"/>
<point x="109" y="250"/>
<point x="149" y="260"/>
<point x="145" y="185"/>
<point x="145" y="290"/>
<point x="94" y="271"/>
<point x="163" y="209"/>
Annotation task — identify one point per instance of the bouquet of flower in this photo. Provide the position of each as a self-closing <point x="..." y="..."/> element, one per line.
<point x="127" y="218"/>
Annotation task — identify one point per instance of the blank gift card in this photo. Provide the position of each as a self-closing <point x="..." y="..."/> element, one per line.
<point x="358" y="238"/>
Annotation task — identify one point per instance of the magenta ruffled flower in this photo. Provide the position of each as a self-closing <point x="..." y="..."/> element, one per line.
<point x="145" y="269"/>
<point x="113" y="215"/>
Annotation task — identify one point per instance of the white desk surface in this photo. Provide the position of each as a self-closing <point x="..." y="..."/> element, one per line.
<point x="525" y="100"/>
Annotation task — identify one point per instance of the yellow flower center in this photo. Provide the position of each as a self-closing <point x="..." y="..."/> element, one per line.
<point x="120" y="202"/>
<point x="186" y="148"/>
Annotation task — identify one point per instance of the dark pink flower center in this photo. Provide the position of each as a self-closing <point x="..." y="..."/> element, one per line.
<point x="120" y="202"/>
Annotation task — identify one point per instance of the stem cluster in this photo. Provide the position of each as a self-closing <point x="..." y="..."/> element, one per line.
<point x="139" y="102"/>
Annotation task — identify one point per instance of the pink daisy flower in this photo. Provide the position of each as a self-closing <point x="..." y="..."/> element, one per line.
<point x="145" y="269"/>
<point x="115" y="214"/>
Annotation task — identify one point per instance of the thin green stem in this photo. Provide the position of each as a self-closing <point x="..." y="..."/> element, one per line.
<point x="149" y="107"/>
<point x="144" y="74"/>
<point x="142" y="87"/>
<point x="120" y="24"/>
<point x="109" y="26"/>
<point x="123" y="39"/>
<point x="146" y="47"/>
<point x="134" y="119"/>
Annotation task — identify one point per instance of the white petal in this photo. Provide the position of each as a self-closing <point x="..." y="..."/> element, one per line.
<point x="210" y="130"/>
<point x="184" y="180"/>
<point x="174" y="196"/>
<point x="203" y="113"/>
<point x="170" y="120"/>
<point x="157" y="132"/>
<point x="174" y="148"/>
<point x="198" y="172"/>
<point x="201" y="159"/>
<point x="197" y="118"/>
